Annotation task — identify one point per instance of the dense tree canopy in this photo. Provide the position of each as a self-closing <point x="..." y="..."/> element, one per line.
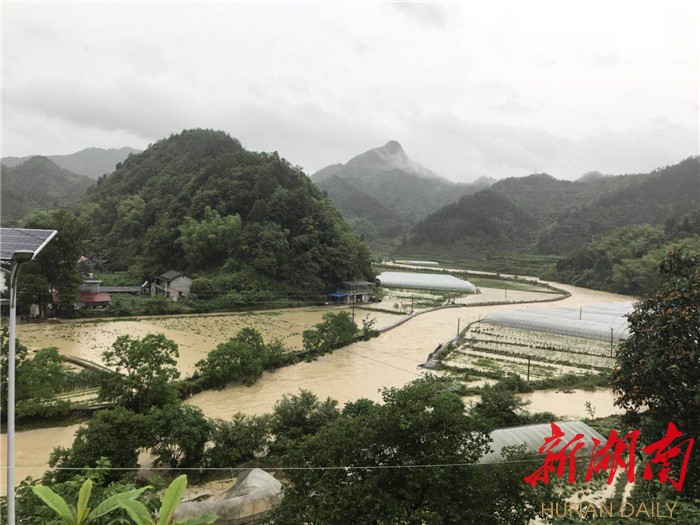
<point x="199" y="202"/>
<point x="627" y="259"/>
<point x="421" y="424"/>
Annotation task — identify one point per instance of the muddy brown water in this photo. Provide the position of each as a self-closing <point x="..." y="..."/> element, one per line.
<point x="359" y="370"/>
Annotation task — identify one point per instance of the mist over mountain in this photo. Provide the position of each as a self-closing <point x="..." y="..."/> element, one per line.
<point x="382" y="192"/>
<point x="91" y="162"/>
<point x="389" y="157"/>
<point x="38" y="183"/>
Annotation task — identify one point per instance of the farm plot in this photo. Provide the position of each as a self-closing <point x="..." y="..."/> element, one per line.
<point x="489" y="346"/>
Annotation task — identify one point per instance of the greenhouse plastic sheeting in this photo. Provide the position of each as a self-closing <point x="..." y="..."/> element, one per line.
<point x="431" y="281"/>
<point x="591" y="322"/>
<point x="533" y="436"/>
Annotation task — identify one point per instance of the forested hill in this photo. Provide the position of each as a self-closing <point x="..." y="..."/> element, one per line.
<point x="484" y="221"/>
<point x="666" y="194"/>
<point x="382" y="192"/>
<point x="199" y="202"/>
<point x="560" y="216"/>
<point x="546" y="198"/>
<point x="37" y="184"/>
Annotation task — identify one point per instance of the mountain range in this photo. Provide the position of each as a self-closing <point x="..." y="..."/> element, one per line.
<point x="540" y="215"/>
<point x="91" y="162"/>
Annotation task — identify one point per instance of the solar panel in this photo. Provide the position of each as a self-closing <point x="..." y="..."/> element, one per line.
<point x="18" y="239"/>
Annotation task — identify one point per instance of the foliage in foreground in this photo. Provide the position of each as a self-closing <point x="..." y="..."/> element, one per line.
<point x="377" y="455"/>
<point x="119" y="500"/>
<point x="658" y="368"/>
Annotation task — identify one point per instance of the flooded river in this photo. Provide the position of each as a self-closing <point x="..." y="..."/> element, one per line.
<point x="359" y="370"/>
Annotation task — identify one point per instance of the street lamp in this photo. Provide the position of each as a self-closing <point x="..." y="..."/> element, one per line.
<point x="17" y="246"/>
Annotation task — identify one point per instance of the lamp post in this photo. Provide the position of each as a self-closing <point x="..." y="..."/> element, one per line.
<point x="17" y="246"/>
<point x="18" y="258"/>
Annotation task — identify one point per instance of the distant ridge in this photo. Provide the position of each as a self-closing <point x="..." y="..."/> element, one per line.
<point x="382" y="192"/>
<point x="91" y="162"/>
<point x="36" y="184"/>
<point x="389" y="157"/>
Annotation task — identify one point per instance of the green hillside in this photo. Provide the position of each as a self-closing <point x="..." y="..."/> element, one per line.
<point x="546" y="198"/>
<point x="199" y="202"/>
<point x="38" y="184"/>
<point x="484" y="221"/>
<point x="667" y="194"/>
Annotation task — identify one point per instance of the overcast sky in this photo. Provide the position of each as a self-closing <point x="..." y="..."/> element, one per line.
<point x="472" y="89"/>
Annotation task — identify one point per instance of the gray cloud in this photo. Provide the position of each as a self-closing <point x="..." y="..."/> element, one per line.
<point x="502" y="90"/>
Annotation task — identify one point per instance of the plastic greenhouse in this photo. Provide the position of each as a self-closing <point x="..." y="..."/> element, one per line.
<point x="533" y="436"/>
<point x="594" y="321"/>
<point x="430" y="281"/>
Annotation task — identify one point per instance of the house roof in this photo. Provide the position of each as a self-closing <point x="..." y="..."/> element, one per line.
<point x="121" y="289"/>
<point x="94" y="297"/>
<point x="170" y="275"/>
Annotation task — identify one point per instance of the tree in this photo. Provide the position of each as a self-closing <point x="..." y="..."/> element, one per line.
<point x="118" y="435"/>
<point x="143" y="370"/>
<point x="336" y="331"/>
<point x="238" y="440"/>
<point x="500" y="407"/>
<point x="37" y="380"/>
<point x="297" y="416"/>
<point x="657" y="376"/>
<point x="57" y="264"/>
<point x="179" y="435"/>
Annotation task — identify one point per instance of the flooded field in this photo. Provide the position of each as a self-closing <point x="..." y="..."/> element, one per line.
<point x="359" y="370"/>
<point x="195" y="335"/>
<point x="572" y="404"/>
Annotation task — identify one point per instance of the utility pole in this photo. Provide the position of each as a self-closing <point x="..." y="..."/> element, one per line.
<point x="528" y="370"/>
<point x="611" y="341"/>
<point x="505" y="287"/>
<point x="352" y="301"/>
<point x="458" y="328"/>
<point x="580" y="313"/>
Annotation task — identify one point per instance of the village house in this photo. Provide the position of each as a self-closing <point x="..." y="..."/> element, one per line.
<point x="353" y="292"/>
<point x="90" y="295"/>
<point x="172" y="284"/>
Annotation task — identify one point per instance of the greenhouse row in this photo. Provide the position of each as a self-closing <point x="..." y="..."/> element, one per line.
<point x="429" y="281"/>
<point x="590" y="322"/>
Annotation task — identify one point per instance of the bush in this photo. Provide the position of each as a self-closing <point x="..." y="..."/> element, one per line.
<point x="242" y="358"/>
